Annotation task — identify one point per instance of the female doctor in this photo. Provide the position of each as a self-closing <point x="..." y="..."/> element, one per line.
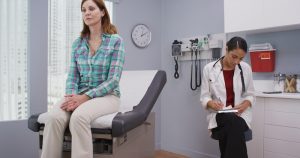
<point x="227" y="83"/>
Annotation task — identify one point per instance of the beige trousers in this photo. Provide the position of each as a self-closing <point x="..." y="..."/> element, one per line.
<point x="80" y="126"/>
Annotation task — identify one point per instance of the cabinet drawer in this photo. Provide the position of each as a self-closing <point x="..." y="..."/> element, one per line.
<point x="268" y="154"/>
<point x="282" y="147"/>
<point x="282" y="133"/>
<point x="282" y="105"/>
<point x="282" y="119"/>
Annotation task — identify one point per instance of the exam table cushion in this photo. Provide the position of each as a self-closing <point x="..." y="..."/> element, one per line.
<point x="139" y="92"/>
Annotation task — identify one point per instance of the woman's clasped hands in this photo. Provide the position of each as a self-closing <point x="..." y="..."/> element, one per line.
<point x="72" y="101"/>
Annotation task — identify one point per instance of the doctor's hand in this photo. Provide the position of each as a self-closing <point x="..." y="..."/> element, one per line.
<point x="72" y="101"/>
<point x="215" y="105"/>
<point x="242" y="107"/>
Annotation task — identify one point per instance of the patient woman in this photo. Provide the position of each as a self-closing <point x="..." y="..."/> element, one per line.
<point x="227" y="83"/>
<point x="92" y="88"/>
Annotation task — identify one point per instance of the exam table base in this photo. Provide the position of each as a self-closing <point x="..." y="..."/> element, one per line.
<point x="137" y="143"/>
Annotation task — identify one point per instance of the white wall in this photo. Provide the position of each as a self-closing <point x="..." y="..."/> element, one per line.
<point x="184" y="126"/>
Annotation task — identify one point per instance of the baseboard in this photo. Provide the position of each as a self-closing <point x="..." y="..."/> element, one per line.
<point x="190" y="153"/>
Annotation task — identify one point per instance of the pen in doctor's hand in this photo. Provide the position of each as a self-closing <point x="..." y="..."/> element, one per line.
<point x="219" y="100"/>
<point x="215" y="104"/>
<point x="220" y="103"/>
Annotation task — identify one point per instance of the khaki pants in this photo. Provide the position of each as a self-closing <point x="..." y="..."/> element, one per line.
<point x="79" y="124"/>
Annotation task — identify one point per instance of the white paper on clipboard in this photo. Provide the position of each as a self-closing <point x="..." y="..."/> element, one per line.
<point x="227" y="109"/>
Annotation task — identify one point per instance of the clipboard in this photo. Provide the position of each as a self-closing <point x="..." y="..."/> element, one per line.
<point x="227" y="111"/>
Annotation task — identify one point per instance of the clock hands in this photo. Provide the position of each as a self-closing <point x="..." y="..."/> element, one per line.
<point x="144" y="34"/>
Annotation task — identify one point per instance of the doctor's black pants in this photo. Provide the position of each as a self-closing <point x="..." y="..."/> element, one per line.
<point x="231" y="130"/>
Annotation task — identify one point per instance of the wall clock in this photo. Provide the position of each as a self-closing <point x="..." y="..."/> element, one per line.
<point x="141" y="35"/>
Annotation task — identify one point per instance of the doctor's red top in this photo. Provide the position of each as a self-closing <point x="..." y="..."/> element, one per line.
<point x="228" y="78"/>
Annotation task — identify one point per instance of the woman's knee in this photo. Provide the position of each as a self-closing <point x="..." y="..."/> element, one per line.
<point x="78" y="120"/>
<point x="58" y="119"/>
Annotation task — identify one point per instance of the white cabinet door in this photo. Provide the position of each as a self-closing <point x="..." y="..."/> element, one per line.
<point x="282" y="127"/>
<point x="282" y="147"/>
<point x="241" y="15"/>
<point x="281" y="12"/>
<point x="255" y="146"/>
<point x="282" y="105"/>
<point x="282" y="112"/>
<point x="244" y="15"/>
<point x="282" y="133"/>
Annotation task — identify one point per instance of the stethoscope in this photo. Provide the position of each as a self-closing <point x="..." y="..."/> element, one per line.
<point x="195" y="66"/>
<point x="241" y="73"/>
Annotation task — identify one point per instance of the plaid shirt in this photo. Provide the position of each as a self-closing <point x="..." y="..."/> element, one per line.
<point x="96" y="75"/>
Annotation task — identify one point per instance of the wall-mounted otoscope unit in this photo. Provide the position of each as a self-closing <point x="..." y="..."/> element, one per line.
<point x="176" y="51"/>
<point x="199" y="50"/>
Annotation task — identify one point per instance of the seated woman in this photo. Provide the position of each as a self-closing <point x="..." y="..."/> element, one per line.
<point x="228" y="83"/>
<point x="92" y="88"/>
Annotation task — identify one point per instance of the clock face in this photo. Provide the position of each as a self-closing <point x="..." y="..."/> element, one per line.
<point x="141" y="35"/>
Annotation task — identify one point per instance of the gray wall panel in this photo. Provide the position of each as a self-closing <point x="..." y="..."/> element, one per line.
<point x="184" y="125"/>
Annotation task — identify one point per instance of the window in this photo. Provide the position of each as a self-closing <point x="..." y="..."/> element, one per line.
<point x="65" y="25"/>
<point x="13" y="59"/>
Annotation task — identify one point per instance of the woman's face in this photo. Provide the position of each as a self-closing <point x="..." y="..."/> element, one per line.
<point x="235" y="56"/>
<point x="91" y="14"/>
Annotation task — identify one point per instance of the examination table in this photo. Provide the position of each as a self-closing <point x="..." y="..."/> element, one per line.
<point x="128" y="133"/>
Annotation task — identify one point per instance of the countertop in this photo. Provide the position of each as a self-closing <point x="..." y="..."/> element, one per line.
<point x="279" y="95"/>
<point x="267" y="86"/>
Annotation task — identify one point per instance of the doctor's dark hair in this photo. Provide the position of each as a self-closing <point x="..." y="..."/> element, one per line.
<point x="107" y="26"/>
<point x="235" y="43"/>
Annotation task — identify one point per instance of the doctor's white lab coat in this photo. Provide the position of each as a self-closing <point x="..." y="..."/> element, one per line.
<point x="213" y="88"/>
